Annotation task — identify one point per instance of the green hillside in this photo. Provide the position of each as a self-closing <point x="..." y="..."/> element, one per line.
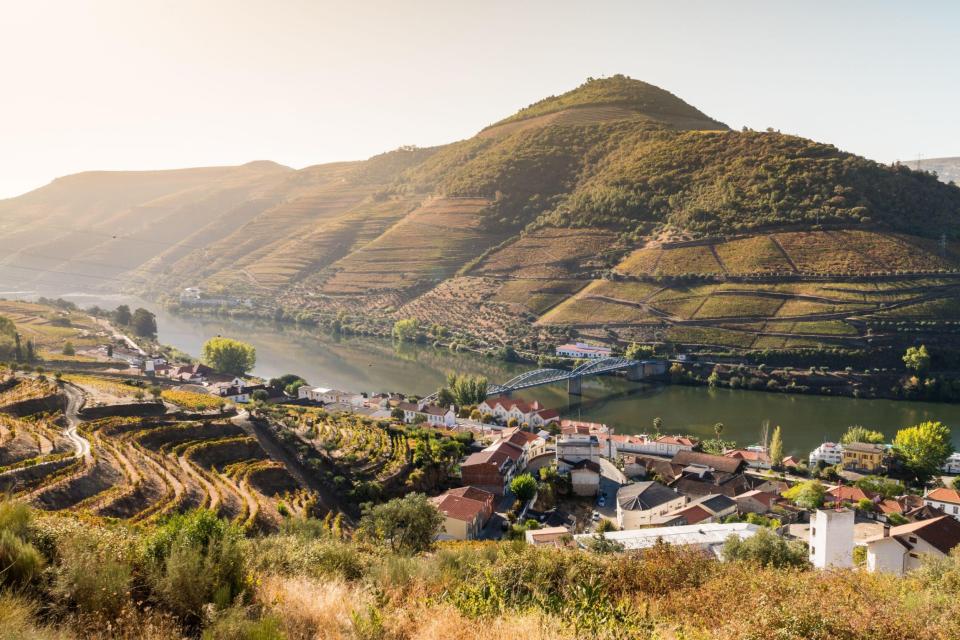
<point x="615" y="212"/>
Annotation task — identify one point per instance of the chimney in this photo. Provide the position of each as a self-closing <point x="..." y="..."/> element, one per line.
<point x="886" y="531"/>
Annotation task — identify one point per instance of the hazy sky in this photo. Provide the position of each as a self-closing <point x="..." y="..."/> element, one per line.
<point x="131" y="84"/>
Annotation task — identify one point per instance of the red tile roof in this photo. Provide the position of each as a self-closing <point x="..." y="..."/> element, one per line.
<point x="472" y="493"/>
<point x="942" y="533"/>
<point x="680" y="440"/>
<point x="459" y="508"/>
<point x="693" y="514"/>
<point x="847" y="493"/>
<point x="943" y="494"/>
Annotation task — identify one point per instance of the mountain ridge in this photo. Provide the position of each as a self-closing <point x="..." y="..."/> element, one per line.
<point x="525" y="220"/>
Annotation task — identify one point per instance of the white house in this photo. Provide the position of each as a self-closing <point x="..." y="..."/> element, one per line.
<point x="902" y="549"/>
<point x="584" y="351"/>
<point x="947" y="500"/>
<point x="237" y="390"/>
<point x="505" y="409"/>
<point x="575" y="447"/>
<point x="667" y="446"/>
<point x="831" y="539"/>
<point x="830" y="452"/>
<point x="952" y="465"/>
<point x="585" y="478"/>
<point x="433" y="415"/>
<point x="641" y="503"/>
<point x="323" y="394"/>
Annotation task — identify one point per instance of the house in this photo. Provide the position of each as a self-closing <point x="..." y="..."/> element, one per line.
<point x="756" y="501"/>
<point x="640" y="503"/>
<point x="529" y="444"/>
<point x="549" y="537"/>
<point x="465" y="512"/>
<point x="900" y="550"/>
<point x="577" y="447"/>
<point x="952" y="465"/>
<point x="491" y="469"/>
<point x="708" y="537"/>
<point x="505" y="409"/>
<point x="660" y="446"/>
<point x="323" y="395"/>
<point x="848" y="495"/>
<point x="700" y="474"/>
<point x="584" y="476"/>
<point x="710" y="508"/>
<point x="946" y="500"/>
<point x="431" y="414"/>
<point x="830" y="453"/>
<point x="584" y="351"/>
<point x="755" y="457"/>
<point x="862" y="456"/>
<point x="192" y="373"/>
<point x="236" y="390"/>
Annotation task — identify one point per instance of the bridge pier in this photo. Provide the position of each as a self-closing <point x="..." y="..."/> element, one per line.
<point x="635" y="373"/>
<point x="575" y="386"/>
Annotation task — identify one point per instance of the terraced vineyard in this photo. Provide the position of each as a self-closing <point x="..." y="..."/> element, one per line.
<point x="139" y="469"/>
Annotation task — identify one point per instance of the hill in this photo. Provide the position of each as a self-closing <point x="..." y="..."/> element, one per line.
<point x="947" y="169"/>
<point x="615" y="211"/>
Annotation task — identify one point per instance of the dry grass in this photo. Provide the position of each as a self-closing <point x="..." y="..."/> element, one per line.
<point x="735" y="306"/>
<point x="547" y="253"/>
<point x="756" y="254"/>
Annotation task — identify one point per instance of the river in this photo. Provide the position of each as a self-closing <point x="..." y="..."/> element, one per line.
<point x="365" y="364"/>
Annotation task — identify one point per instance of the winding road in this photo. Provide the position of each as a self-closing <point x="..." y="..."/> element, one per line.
<point x="72" y="413"/>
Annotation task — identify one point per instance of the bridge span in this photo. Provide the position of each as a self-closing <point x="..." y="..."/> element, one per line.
<point x="636" y="370"/>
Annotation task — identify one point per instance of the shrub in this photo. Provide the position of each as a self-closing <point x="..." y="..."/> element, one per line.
<point x="766" y="549"/>
<point x="93" y="573"/>
<point x="20" y="560"/>
<point x="194" y="560"/>
<point x="234" y="624"/>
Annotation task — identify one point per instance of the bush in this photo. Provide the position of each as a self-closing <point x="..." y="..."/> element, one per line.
<point x="194" y="560"/>
<point x="765" y="548"/>
<point x="20" y="560"/>
<point x="234" y="624"/>
<point x="93" y="573"/>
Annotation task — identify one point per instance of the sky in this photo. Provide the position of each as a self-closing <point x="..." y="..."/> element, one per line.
<point x="114" y="84"/>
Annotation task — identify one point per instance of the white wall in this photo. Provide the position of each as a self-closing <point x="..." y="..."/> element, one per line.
<point x="831" y="539"/>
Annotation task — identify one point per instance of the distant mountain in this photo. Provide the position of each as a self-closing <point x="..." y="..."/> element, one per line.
<point x="947" y="169"/>
<point x="615" y="211"/>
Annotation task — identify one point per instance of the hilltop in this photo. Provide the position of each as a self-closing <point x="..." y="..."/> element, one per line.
<point x="615" y="211"/>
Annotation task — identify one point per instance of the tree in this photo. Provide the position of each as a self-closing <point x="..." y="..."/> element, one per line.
<point x="808" y="494"/>
<point x="69" y="349"/>
<point x="858" y="433"/>
<point x="606" y="525"/>
<point x="144" y="323"/>
<point x="406" y="525"/>
<point x="397" y="413"/>
<point x="776" y="447"/>
<point x="924" y="448"/>
<point x="638" y="351"/>
<point x="260" y="395"/>
<point x="657" y="426"/>
<point x="463" y="390"/>
<point x="765" y="548"/>
<point x="917" y="359"/>
<point x="406" y="329"/>
<point x="524" y="487"/>
<point x="122" y="315"/>
<point x="229" y="356"/>
<point x="884" y="486"/>
<point x="156" y="392"/>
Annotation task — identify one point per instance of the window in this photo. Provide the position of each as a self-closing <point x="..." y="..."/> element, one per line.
<point x="913" y="539"/>
<point x="915" y="556"/>
<point x="813" y="550"/>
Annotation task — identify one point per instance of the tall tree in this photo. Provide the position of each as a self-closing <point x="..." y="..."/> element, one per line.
<point x="122" y="315"/>
<point x="229" y="356"/>
<point x="144" y="323"/>
<point x="776" y="447"/>
<point x="924" y="448"/>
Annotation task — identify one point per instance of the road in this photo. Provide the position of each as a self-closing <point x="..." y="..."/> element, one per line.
<point x="325" y="497"/>
<point x="72" y="413"/>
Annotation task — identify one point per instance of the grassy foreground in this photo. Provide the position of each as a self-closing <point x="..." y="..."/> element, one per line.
<point x="196" y="576"/>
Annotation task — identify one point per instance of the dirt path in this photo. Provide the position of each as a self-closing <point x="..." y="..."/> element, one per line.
<point x="71" y="413"/>
<point x="325" y="498"/>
